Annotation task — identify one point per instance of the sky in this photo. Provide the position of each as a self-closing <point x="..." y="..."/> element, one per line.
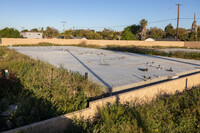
<point x="95" y="14"/>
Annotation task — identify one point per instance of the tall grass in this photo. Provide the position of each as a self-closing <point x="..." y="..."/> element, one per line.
<point x="51" y="44"/>
<point x="153" y="51"/>
<point x="167" y="114"/>
<point x="41" y="90"/>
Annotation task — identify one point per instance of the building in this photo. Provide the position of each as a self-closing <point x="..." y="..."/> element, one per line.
<point x="149" y="39"/>
<point x="82" y="38"/>
<point x="119" y="36"/>
<point x="31" y="35"/>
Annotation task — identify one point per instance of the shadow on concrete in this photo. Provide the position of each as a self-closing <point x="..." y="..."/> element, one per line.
<point x="137" y="77"/>
<point x="99" y="78"/>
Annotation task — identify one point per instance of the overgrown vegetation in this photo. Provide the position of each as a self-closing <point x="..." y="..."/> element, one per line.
<point x="39" y="90"/>
<point x="165" y="114"/>
<point x="9" y="33"/>
<point x="131" y="32"/>
<point x="51" y="44"/>
<point x="153" y="51"/>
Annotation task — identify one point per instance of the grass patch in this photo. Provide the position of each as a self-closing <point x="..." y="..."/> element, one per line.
<point x="169" y="113"/>
<point x="40" y="90"/>
<point x="51" y="44"/>
<point x="153" y="51"/>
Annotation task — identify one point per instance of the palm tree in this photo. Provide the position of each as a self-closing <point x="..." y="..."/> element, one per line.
<point x="143" y="24"/>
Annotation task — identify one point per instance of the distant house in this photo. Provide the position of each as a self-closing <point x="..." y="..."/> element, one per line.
<point x="31" y="35"/>
<point x="119" y="35"/>
<point x="150" y="39"/>
<point x="164" y="39"/>
<point x="120" y="32"/>
<point x="82" y="38"/>
<point x="62" y="37"/>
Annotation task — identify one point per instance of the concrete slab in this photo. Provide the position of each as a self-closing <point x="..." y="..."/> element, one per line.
<point x="115" y="70"/>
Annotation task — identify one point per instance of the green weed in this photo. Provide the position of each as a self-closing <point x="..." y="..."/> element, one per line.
<point x="169" y="113"/>
<point x="153" y="51"/>
<point x="41" y="90"/>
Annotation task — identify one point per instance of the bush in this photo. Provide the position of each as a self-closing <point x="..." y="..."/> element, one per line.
<point x="112" y="118"/>
<point x="169" y="113"/>
<point x="41" y="90"/>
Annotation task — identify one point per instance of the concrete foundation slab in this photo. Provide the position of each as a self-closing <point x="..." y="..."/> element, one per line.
<point x="115" y="70"/>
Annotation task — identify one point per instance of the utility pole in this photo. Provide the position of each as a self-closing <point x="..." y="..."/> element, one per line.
<point x="39" y="28"/>
<point x="63" y="26"/>
<point x="177" y="22"/>
<point x="53" y="31"/>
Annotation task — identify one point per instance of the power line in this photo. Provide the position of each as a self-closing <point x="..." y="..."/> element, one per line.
<point x="150" y="22"/>
<point x="116" y="26"/>
<point x="188" y="18"/>
<point x="162" y="20"/>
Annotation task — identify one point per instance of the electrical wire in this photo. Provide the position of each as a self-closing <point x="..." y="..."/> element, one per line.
<point x="118" y="26"/>
<point x="150" y="22"/>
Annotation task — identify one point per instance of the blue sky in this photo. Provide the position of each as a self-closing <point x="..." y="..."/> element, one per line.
<point x="95" y="14"/>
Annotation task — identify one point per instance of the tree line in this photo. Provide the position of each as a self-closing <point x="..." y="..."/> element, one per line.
<point x="52" y="32"/>
<point x="132" y="32"/>
<point x="139" y="32"/>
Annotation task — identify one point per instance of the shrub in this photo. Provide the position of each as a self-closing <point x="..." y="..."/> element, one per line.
<point x="150" y="51"/>
<point x="169" y="113"/>
<point x="41" y="90"/>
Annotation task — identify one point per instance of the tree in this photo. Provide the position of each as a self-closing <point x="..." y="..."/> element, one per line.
<point x="43" y="31"/>
<point x="192" y="36"/>
<point x="143" y="24"/>
<point x="170" y="31"/>
<point x="198" y="34"/>
<point x="79" y="33"/>
<point x="131" y="33"/>
<point x="127" y="35"/>
<point x="9" y="33"/>
<point x="25" y="30"/>
<point x="135" y="29"/>
<point x="89" y="34"/>
<point x="51" y="32"/>
<point x="156" y="33"/>
<point x="34" y="30"/>
<point x="107" y="33"/>
<point x="97" y="36"/>
<point x="183" y="34"/>
<point x="68" y="34"/>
